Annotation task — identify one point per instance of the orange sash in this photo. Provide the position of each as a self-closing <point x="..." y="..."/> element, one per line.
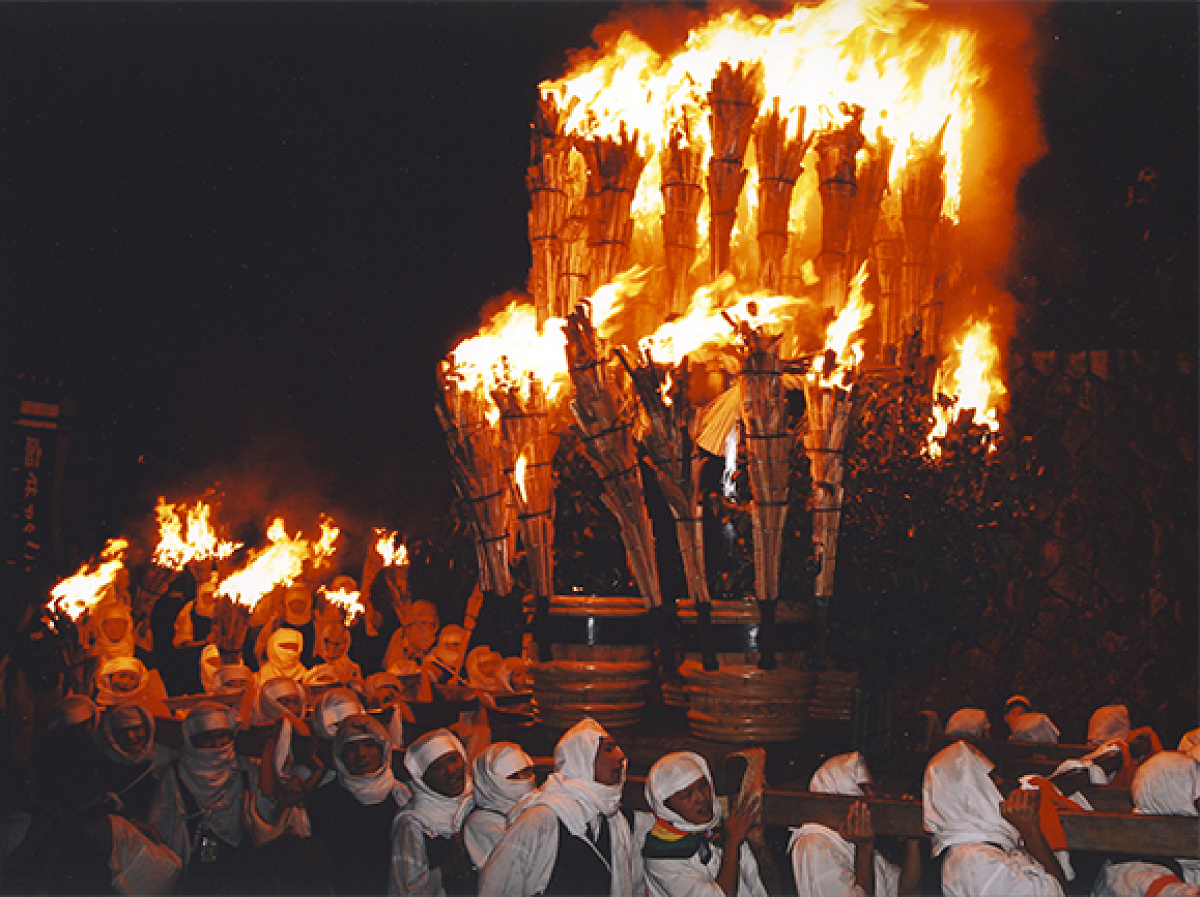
<point x="1052" y="801"/>
<point x="1129" y="766"/>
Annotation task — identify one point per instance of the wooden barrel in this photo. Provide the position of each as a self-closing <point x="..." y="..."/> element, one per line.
<point x="741" y="703"/>
<point x="736" y="628"/>
<point x="601" y="650"/>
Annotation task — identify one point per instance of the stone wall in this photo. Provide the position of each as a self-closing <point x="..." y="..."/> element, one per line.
<point x="1106" y="610"/>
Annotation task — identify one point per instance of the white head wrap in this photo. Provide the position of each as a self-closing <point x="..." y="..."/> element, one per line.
<point x="323" y="675"/>
<point x="290" y="595"/>
<point x="73" y="710"/>
<point x="440" y="815"/>
<point x="1036" y="727"/>
<point x="331" y="708"/>
<point x="572" y="791"/>
<point x="211" y="773"/>
<point x="970" y="721"/>
<point x="104" y="647"/>
<point x="108" y="693"/>
<point x="962" y="803"/>
<point x="267" y="707"/>
<point x="1166" y="785"/>
<point x="126" y="716"/>
<point x="843" y="774"/>
<point x="494" y="790"/>
<point x="231" y="677"/>
<point x="281" y="660"/>
<point x="1190" y="743"/>
<point x="1109" y="723"/>
<point x="210" y="662"/>
<point x="670" y="775"/>
<point x="374" y="787"/>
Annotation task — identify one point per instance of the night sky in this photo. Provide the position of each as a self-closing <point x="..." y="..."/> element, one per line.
<point x="245" y="233"/>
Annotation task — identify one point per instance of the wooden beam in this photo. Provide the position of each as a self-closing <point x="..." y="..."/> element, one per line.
<point x="1177" y="836"/>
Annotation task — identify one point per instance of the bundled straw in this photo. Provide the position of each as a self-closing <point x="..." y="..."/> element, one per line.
<point x="922" y="189"/>
<point x="574" y="259"/>
<point x="872" y="178"/>
<point x="525" y="434"/>
<point x="733" y="105"/>
<point x="827" y="417"/>
<point x="682" y="198"/>
<point x="602" y="417"/>
<point x="768" y="445"/>
<point x="779" y="164"/>
<point x="836" y="149"/>
<point x="614" y="167"/>
<point x="545" y="177"/>
<point x="479" y="479"/>
<point x="888" y="253"/>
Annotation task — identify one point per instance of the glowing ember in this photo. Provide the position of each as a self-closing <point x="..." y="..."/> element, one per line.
<point x="519" y="477"/>
<point x="386" y="548"/>
<point x="970" y="378"/>
<point x="348" y="602"/>
<point x="326" y="545"/>
<point x="280" y="563"/>
<point x="77" y="594"/>
<point x="182" y="541"/>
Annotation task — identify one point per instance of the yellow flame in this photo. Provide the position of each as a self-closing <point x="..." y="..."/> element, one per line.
<point x="79" y="593"/>
<point x="326" y="544"/>
<point x="907" y="74"/>
<point x="280" y="563"/>
<point x="840" y="342"/>
<point x="175" y="549"/>
<point x="347" y="601"/>
<point x="386" y="548"/>
<point x="519" y="477"/>
<point x="508" y="349"/>
<point x="970" y="377"/>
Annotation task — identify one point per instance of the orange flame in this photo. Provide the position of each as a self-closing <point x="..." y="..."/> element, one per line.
<point x="519" y="477"/>
<point x="280" y="563"/>
<point x="508" y="349"/>
<point x="840" y="344"/>
<point x="326" y="544"/>
<point x="347" y="601"/>
<point x="970" y="377"/>
<point x="175" y="549"/>
<point x="386" y="548"/>
<point x="77" y="594"/>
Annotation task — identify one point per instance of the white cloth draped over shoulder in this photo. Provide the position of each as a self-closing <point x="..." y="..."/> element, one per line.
<point x="495" y="795"/>
<point x="962" y="815"/>
<point x="522" y="863"/>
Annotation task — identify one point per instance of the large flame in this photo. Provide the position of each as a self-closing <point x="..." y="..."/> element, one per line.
<point x="347" y="601"/>
<point x="508" y="350"/>
<point x="843" y="353"/>
<point x="78" y="594"/>
<point x="280" y="563"/>
<point x="970" y="379"/>
<point x="185" y="535"/>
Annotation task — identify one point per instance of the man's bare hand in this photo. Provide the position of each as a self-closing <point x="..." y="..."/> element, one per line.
<point x="857" y="828"/>
<point x="1021" y="810"/>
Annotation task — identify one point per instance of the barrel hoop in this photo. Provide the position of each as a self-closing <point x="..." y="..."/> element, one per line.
<point x="596" y="630"/>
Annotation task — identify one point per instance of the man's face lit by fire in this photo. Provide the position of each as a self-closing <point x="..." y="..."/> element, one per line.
<point x="335" y="643"/>
<point x="363" y="757"/>
<point x="610" y="762"/>
<point x="132" y="739"/>
<point x="447" y="774"/>
<point x="124" y="681"/>
<point x="694" y="803"/>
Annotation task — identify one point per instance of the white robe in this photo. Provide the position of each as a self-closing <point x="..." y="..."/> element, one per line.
<point x="982" y="870"/>
<point x="691" y="877"/>
<point x="823" y="865"/>
<point x="1134" y="879"/>
<point x="522" y="863"/>
<point x="139" y="865"/>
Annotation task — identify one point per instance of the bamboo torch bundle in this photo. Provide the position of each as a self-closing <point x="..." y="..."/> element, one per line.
<point x="733" y="105"/>
<point x="478" y="475"/>
<point x="603" y="421"/>
<point x="614" y="168"/>
<point x="836" y="150"/>
<point x="545" y="177"/>
<point x="779" y="164"/>
<point x="682" y="198"/>
<point x="922" y="189"/>
<point x="574" y="259"/>
<point x="674" y="456"/>
<point x="768" y="446"/>
<point x="527" y="448"/>
<point x="888" y="254"/>
<point x="872" y="177"/>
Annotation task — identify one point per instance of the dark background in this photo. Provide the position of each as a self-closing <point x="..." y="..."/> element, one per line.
<point x="245" y="234"/>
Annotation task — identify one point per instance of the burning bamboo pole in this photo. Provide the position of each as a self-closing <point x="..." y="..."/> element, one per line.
<point x="827" y="418"/>
<point x="768" y="446"/>
<point x="836" y="150"/>
<point x="888" y="254"/>
<point x="779" y="164"/>
<point x="545" y="177"/>
<point x="922" y="189"/>
<point x="614" y="168"/>
<point x="527" y="447"/>
<point x="733" y="105"/>
<point x="682" y="198"/>
<point x="574" y="259"/>
<point x="478" y="478"/>
<point x="676" y="461"/>
<point x="872" y="177"/>
<point x="602" y="417"/>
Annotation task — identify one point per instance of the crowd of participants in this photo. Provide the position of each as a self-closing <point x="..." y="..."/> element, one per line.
<point x="286" y="783"/>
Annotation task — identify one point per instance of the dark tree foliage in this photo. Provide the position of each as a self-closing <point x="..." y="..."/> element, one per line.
<point x="927" y="545"/>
